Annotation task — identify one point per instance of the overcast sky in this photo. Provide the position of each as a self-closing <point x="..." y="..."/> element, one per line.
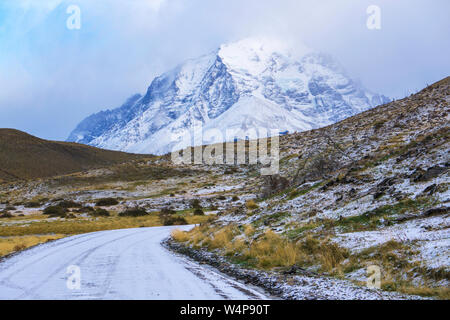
<point x="52" y="77"/>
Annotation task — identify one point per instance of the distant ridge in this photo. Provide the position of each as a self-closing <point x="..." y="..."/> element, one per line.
<point x="23" y="156"/>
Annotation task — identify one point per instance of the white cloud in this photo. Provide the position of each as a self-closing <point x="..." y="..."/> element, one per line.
<point x="123" y="44"/>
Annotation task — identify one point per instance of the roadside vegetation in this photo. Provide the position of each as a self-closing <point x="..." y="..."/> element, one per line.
<point x="10" y="245"/>
<point x="315" y="254"/>
<point x="41" y="225"/>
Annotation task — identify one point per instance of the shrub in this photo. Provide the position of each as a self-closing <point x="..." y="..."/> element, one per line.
<point x="230" y="170"/>
<point x="32" y="204"/>
<point x="106" y="202"/>
<point x="167" y="211"/>
<point x="84" y="209"/>
<point x="55" y="211"/>
<point x="198" y="212"/>
<point x="195" y="203"/>
<point x="69" y="204"/>
<point x="321" y="166"/>
<point x="331" y="256"/>
<point x="222" y="239"/>
<point x="19" y="247"/>
<point x="99" y="212"/>
<point x="10" y="208"/>
<point x="6" y="214"/>
<point x="173" y="221"/>
<point x="133" y="212"/>
<point x="273" y="251"/>
<point x="235" y="198"/>
<point x="221" y="198"/>
<point x="180" y="236"/>
<point x="251" y="205"/>
<point x="249" y="230"/>
<point x="274" y="184"/>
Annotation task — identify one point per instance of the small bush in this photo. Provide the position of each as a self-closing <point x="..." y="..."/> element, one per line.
<point x="167" y="211"/>
<point x="251" y="205"/>
<point x="85" y="209"/>
<point x="6" y="214"/>
<point x="198" y="212"/>
<point x="32" y="204"/>
<point x="180" y="236"/>
<point x="69" y="204"/>
<point x="173" y="221"/>
<point x="106" y="202"/>
<point x="55" y="211"/>
<point x="99" y="212"/>
<point x="134" y="212"/>
<point x="221" y="198"/>
<point x="195" y="204"/>
<point x="231" y="170"/>
<point x="235" y="198"/>
<point x="222" y="239"/>
<point x="274" y="184"/>
<point x="19" y="247"/>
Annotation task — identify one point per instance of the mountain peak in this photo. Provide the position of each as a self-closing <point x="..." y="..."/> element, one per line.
<point x="254" y="54"/>
<point x="253" y="83"/>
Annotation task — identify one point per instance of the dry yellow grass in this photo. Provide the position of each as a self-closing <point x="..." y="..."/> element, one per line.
<point x="268" y="250"/>
<point x="222" y="239"/>
<point x="442" y="293"/>
<point x="14" y="244"/>
<point x="271" y="250"/>
<point x="180" y="236"/>
<point x="249" y="230"/>
<point x="41" y="226"/>
<point x="251" y="205"/>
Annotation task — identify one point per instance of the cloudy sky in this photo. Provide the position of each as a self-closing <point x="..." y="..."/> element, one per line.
<point x="52" y="77"/>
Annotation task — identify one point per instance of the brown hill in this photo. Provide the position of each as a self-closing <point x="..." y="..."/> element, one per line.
<point x="23" y="156"/>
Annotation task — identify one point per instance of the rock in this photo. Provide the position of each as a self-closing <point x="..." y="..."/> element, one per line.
<point x="273" y="184"/>
<point x="352" y="193"/>
<point x="430" y="190"/>
<point x="422" y="176"/>
<point x="383" y="186"/>
<point x="400" y="196"/>
<point x="436" y="211"/>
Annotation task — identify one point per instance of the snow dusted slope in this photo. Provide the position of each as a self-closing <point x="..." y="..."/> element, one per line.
<point x="255" y="83"/>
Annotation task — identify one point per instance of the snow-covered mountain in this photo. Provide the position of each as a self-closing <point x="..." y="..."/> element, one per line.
<point x="254" y="83"/>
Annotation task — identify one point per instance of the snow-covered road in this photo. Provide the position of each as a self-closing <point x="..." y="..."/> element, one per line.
<point x="119" y="264"/>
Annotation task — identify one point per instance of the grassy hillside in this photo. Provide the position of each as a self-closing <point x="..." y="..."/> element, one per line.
<point x="23" y="156"/>
<point x="372" y="190"/>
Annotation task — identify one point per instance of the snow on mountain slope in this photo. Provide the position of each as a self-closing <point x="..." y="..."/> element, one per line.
<point x="254" y="83"/>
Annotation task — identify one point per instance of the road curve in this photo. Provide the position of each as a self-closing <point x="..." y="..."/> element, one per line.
<point x="119" y="264"/>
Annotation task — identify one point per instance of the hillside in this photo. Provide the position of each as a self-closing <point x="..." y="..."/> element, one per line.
<point x="372" y="190"/>
<point x="23" y="156"/>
